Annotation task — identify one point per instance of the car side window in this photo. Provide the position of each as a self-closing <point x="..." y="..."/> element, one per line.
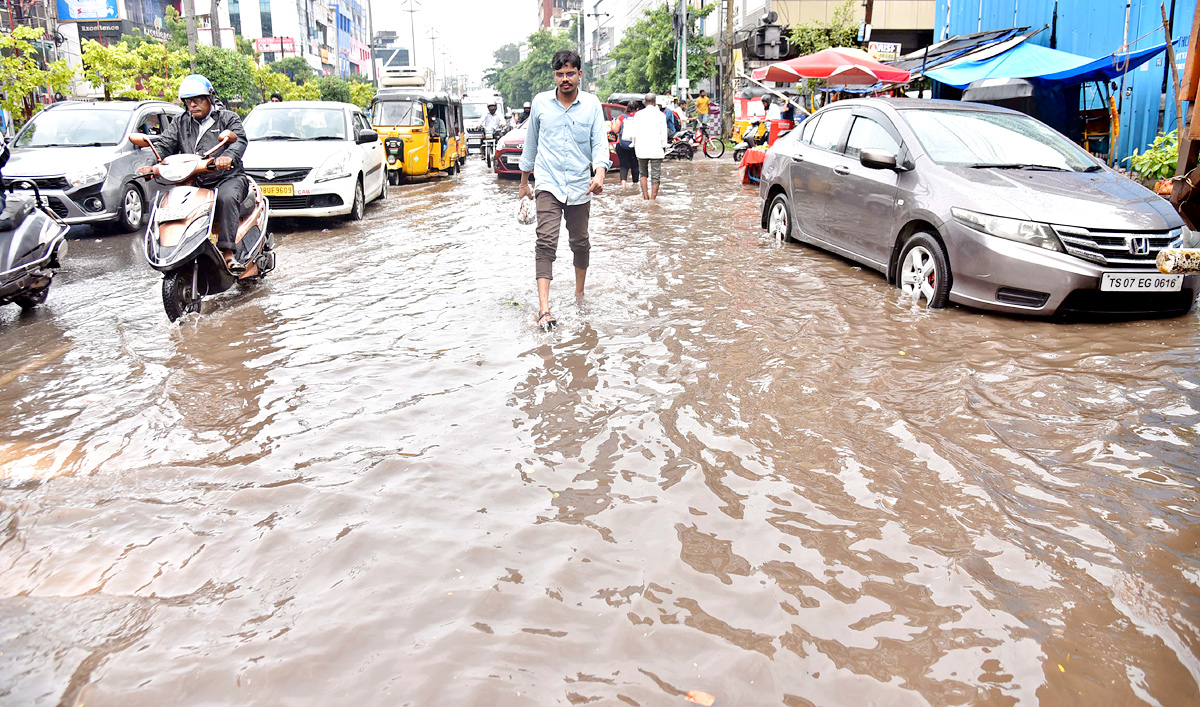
<point x="151" y="124"/>
<point x="868" y="134"/>
<point x="828" y="133"/>
<point x="807" y="129"/>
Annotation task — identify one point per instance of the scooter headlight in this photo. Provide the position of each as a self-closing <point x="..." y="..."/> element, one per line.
<point x="84" y="176"/>
<point x="175" y="172"/>
<point x="335" y="167"/>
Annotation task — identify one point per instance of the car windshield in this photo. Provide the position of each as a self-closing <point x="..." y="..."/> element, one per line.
<point x="401" y="113"/>
<point x="985" y="139"/>
<point x="474" y="110"/>
<point x="296" y="123"/>
<point x="71" y="128"/>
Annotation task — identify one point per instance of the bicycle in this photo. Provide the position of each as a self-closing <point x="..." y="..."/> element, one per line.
<point x="714" y="147"/>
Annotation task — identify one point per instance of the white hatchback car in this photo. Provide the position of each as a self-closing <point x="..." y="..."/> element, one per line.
<point x="315" y="158"/>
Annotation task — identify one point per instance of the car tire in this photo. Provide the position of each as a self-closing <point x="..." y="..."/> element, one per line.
<point x="924" y="271"/>
<point x="779" y="218"/>
<point x="359" y="207"/>
<point x="131" y="216"/>
<point x="383" y="189"/>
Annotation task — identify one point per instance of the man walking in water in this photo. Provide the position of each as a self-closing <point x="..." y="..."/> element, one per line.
<point x="566" y="149"/>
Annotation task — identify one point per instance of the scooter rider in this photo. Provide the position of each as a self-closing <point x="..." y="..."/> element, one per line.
<point x="197" y="134"/>
<point x="492" y="121"/>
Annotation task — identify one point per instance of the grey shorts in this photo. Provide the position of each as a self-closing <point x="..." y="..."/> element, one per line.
<point x="652" y="169"/>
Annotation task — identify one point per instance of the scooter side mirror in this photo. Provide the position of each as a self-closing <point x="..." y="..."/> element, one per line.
<point x="140" y="140"/>
<point x="227" y="136"/>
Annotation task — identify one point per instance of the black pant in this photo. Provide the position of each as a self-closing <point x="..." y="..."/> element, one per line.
<point x="629" y="163"/>
<point x="230" y="194"/>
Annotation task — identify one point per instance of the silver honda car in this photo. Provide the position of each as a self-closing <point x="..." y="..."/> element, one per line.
<point x="973" y="204"/>
<point x="79" y="157"/>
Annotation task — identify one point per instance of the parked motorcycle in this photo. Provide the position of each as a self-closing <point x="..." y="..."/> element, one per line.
<point x="181" y="236"/>
<point x="681" y="147"/>
<point x="32" y="242"/>
<point x="754" y="135"/>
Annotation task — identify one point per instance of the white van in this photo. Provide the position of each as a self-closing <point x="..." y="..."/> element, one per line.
<point x="474" y="108"/>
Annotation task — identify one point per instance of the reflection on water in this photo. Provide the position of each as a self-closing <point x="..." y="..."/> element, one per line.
<point x="740" y="467"/>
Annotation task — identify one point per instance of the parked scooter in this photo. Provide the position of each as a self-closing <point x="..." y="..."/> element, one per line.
<point x="754" y="135"/>
<point x="32" y="242"/>
<point x="682" y="147"/>
<point x="181" y="235"/>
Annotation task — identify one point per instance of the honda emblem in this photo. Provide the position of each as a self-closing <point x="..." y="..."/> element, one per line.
<point x="1139" y="246"/>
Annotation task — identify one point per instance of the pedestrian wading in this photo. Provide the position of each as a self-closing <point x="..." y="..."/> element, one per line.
<point x="566" y="149"/>
<point x="650" y="138"/>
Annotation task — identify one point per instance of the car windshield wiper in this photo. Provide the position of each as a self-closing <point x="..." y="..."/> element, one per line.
<point x="70" y="144"/>
<point x="278" y="137"/>
<point x="1092" y="168"/>
<point x="1016" y="165"/>
<point x="327" y="137"/>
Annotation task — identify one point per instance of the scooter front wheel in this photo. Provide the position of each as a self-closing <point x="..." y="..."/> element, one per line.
<point x="179" y="297"/>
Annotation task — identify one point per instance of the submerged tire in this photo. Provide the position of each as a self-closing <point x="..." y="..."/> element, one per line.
<point x="29" y="300"/>
<point x="178" y="297"/>
<point x="924" y="271"/>
<point x="779" y="218"/>
<point x="359" y="207"/>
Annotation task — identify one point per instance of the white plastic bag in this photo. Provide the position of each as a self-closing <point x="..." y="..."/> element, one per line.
<point x="526" y="212"/>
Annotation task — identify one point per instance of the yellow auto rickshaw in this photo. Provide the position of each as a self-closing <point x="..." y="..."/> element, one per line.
<point x="422" y="132"/>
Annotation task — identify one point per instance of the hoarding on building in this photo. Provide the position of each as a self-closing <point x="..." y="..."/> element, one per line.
<point x="77" y="10"/>
<point x="884" y="51"/>
<point x="275" y="44"/>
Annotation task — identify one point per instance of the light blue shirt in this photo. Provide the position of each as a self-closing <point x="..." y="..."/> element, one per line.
<point x="562" y="145"/>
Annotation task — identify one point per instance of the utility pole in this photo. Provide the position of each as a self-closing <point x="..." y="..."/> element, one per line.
<point x="412" y="26"/>
<point x="189" y="21"/>
<point x="596" y="15"/>
<point x="371" y="44"/>
<point x="214" y="22"/>
<point x="869" y="7"/>
<point x="727" y="78"/>
<point x="680" y="91"/>
<point x="433" y="36"/>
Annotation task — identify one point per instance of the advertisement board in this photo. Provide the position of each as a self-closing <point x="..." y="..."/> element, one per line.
<point x="81" y="10"/>
<point x="884" y="51"/>
<point x="275" y="44"/>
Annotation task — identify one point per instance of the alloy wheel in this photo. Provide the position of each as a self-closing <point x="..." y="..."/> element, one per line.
<point x="918" y="275"/>
<point x="777" y="221"/>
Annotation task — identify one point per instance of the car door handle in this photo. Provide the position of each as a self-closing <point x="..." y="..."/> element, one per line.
<point x="842" y="169"/>
<point x="797" y="158"/>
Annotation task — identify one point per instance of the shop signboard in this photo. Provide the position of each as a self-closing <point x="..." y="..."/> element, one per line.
<point x="82" y="10"/>
<point x="109" y="32"/>
<point x="275" y="44"/>
<point x="884" y="51"/>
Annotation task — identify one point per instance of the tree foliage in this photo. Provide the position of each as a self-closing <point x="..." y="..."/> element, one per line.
<point x="361" y="94"/>
<point x="841" y="31"/>
<point x="21" y="73"/>
<point x="178" y="29"/>
<point x="296" y="68"/>
<point x="507" y="55"/>
<point x="334" y="88"/>
<point x="645" y="56"/>
<point x="231" y="73"/>
<point x="134" y="67"/>
<point x="519" y="82"/>
<point x="246" y="46"/>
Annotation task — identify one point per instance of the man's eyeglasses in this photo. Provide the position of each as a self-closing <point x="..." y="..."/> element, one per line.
<point x="565" y="75"/>
<point x="194" y="101"/>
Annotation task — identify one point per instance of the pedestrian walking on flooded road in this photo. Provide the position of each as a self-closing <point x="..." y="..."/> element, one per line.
<point x="566" y="149"/>
<point x="625" y="154"/>
<point x="649" y="137"/>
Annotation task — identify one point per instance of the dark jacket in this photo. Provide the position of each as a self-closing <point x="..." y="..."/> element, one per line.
<point x="180" y="138"/>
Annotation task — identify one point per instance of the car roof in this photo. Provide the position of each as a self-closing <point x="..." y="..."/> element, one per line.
<point x="108" y="105"/>
<point x="921" y="104"/>
<point x="307" y="104"/>
<point x="414" y="94"/>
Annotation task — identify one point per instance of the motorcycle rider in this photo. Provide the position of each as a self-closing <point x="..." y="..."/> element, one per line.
<point x="197" y="134"/>
<point x="492" y="121"/>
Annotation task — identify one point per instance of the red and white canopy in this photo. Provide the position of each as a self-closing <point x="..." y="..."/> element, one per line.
<point x="837" y="66"/>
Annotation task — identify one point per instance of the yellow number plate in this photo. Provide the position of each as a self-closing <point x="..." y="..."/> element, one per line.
<point x="277" y="189"/>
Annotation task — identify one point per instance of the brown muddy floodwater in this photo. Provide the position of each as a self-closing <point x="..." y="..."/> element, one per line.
<point x="739" y="467"/>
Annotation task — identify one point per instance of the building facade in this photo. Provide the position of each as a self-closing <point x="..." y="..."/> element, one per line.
<point x="557" y="14"/>
<point x="331" y="35"/>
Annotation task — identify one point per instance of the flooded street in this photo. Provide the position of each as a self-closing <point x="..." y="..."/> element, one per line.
<point x="738" y="466"/>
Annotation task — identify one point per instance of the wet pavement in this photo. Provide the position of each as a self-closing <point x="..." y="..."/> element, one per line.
<point x="740" y="467"/>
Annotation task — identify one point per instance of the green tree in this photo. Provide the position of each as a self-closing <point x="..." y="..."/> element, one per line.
<point x="334" y="88"/>
<point x="507" y="55"/>
<point x="160" y="70"/>
<point x="519" y="82"/>
<point x="307" y="92"/>
<point x="268" y="82"/>
<point x="646" y="55"/>
<point x="361" y="94"/>
<point x="114" y="68"/>
<point x="296" y="68"/>
<point x="841" y="31"/>
<point x="178" y="29"/>
<point x="21" y="72"/>
<point x="231" y="73"/>
<point x="246" y="46"/>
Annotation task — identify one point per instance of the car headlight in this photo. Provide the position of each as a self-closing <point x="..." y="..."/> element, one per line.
<point x="83" y="176"/>
<point x="335" y="167"/>
<point x="1029" y="232"/>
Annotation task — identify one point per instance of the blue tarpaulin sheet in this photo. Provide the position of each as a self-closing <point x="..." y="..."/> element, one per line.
<point x="1050" y="66"/>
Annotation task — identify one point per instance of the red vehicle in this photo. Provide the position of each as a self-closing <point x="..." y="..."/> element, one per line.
<point x="508" y="150"/>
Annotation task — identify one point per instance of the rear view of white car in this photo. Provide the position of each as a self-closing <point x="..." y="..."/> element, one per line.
<point x="315" y="158"/>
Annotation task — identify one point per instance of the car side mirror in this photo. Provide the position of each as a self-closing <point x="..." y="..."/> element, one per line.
<point x="877" y="159"/>
<point x="365" y="136"/>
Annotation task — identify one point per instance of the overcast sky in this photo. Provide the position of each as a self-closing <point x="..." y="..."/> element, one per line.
<point x="469" y="30"/>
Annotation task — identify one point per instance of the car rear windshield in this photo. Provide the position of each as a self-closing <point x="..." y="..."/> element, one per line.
<point x="399" y="113"/>
<point x="72" y="128"/>
<point x="296" y="123"/>
<point x="979" y="138"/>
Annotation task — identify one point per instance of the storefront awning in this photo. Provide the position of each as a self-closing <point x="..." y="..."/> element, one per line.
<point x="1030" y="61"/>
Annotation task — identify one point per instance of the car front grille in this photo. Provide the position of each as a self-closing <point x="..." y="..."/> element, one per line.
<point x="1085" y="303"/>
<point x="318" y="201"/>
<point x="41" y="182"/>
<point x="1116" y="249"/>
<point x="58" y="207"/>
<point x="279" y="176"/>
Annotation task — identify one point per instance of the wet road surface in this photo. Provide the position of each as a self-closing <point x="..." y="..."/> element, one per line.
<point x="738" y="467"/>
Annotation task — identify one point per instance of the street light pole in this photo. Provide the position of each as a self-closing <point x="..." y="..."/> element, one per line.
<point x="433" y="59"/>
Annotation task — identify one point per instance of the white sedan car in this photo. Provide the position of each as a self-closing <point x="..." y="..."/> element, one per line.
<point x="315" y="158"/>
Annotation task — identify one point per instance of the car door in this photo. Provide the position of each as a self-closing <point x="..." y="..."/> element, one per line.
<point x="372" y="156"/>
<point x="151" y="122"/>
<point x="861" y="210"/>
<point x="812" y="170"/>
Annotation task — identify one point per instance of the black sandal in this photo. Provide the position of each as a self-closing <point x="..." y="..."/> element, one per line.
<point x="546" y="321"/>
